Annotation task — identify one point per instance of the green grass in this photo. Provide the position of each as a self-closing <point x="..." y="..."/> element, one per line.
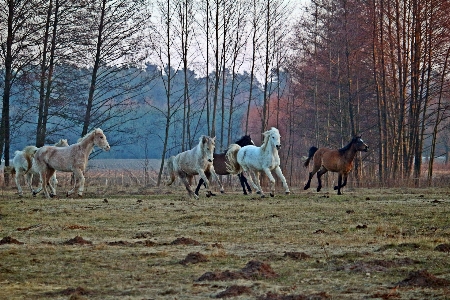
<point x="339" y="233"/>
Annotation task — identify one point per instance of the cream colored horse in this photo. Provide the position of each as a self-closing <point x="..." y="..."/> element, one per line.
<point x="23" y="167"/>
<point x="69" y="159"/>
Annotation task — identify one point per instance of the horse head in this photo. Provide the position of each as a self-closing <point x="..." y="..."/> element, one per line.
<point x="100" y="140"/>
<point x="359" y="144"/>
<point x="62" y="143"/>
<point x="245" y="141"/>
<point x="207" y="145"/>
<point x="272" y="136"/>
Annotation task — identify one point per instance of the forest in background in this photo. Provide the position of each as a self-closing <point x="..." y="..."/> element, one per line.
<point x="137" y="69"/>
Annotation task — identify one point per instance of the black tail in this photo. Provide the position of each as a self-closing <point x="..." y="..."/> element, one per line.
<point x="311" y="153"/>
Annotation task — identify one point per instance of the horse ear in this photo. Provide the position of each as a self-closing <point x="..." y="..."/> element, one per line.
<point x="203" y="138"/>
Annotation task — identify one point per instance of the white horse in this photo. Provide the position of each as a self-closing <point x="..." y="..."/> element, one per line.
<point x="23" y="163"/>
<point x="197" y="161"/>
<point x="253" y="159"/>
<point x="69" y="159"/>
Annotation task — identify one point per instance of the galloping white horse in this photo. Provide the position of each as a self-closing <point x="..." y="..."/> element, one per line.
<point x="253" y="159"/>
<point x="69" y="159"/>
<point x="23" y="163"/>
<point x="197" y="161"/>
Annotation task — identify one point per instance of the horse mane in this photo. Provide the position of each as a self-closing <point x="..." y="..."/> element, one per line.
<point x="87" y="135"/>
<point x="266" y="137"/>
<point x="243" y="138"/>
<point x="349" y="145"/>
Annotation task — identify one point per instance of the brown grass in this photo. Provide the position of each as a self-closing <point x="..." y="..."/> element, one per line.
<point x="128" y="241"/>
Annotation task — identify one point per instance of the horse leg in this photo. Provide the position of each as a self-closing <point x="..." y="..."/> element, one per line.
<point x="319" y="175"/>
<point x="252" y="182"/>
<point x="45" y="177"/>
<point x="244" y="180"/>
<point x="311" y="174"/>
<point x="79" y="181"/>
<point x="208" y="175"/>
<point x="257" y="185"/>
<point x="205" y="178"/>
<point x="308" y="184"/>
<point x="52" y="184"/>
<point x="212" y="172"/>
<point x="19" y="188"/>
<point x="187" y="179"/>
<point x="341" y="183"/>
<point x="200" y="182"/>
<point x="272" y="181"/>
<point x="283" y="180"/>
<point x="241" y="180"/>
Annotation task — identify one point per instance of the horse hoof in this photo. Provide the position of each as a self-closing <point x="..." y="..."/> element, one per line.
<point x="245" y="193"/>
<point x="319" y="188"/>
<point x="258" y="192"/>
<point x="52" y="195"/>
<point x="222" y="192"/>
<point x="306" y="187"/>
<point x="263" y="196"/>
<point x="272" y="195"/>
<point x="287" y="193"/>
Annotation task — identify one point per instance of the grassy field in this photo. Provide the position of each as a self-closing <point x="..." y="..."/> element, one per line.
<point x="159" y="244"/>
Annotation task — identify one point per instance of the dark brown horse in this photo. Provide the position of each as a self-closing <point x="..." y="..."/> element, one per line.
<point x="340" y="161"/>
<point x="220" y="166"/>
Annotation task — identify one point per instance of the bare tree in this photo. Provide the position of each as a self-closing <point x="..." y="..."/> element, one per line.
<point x="18" y="25"/>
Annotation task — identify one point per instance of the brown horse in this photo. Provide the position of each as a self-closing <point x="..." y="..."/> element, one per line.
<point x="220" y="166"/>
<point x="340" y="161"/>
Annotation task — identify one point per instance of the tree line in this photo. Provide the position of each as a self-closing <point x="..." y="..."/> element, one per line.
<point x="341" y="68"/>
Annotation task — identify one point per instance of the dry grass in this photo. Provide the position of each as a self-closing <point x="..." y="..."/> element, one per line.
<point x="125" y="241"/>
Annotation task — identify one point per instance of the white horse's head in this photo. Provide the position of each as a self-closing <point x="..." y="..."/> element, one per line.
<point x="272" y="137"/>
<point x="62" y="143"/>
<point x="100" y="140"/>
<point x="207" y="145"/>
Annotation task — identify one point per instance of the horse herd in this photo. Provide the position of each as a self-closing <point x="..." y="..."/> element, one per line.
<point x="241" y="157"/>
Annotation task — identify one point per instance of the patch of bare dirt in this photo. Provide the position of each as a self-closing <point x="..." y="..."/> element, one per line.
<point x="386" y="296"/>
<point x="72" y="292"/>
<point x="185" y="241"/>
<point x="378" y="265"/>
<point x="274" y="296"/>
<point x="443" y="248"/>
<point x="253" y="270"/>
<point x="234" y="291"/>
<point x="28" y="228"/>
<point x="120" y="243"/>
<point x="296" y="255"/>
<point x="78" y="240"/>
<point x="9" y="240"/>
<point x="194" y="258"/>
<point x="423" y="278"/>
<point x="75" y="226"/>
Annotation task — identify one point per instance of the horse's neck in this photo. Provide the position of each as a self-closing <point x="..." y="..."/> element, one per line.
<point x="269" y="151"/>
<point x="350" y="153"/>
<point x="87" y="145"/>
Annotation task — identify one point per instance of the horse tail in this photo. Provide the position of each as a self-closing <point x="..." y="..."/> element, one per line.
<point x="232" y="165"/>
<point x="311" y="153"/>
<point x="169" y="168"/>
<point x="28" y="153"/>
